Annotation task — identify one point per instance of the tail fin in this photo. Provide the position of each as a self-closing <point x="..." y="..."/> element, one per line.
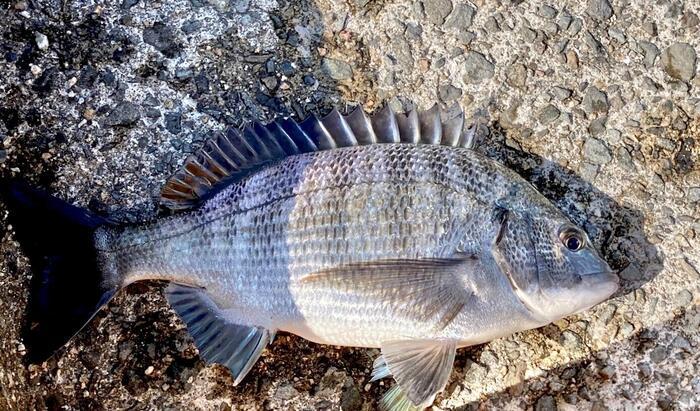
<point x="66" y="286"/>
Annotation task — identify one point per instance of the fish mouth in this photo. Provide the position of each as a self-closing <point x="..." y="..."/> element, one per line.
<point x="604" y="282"/>
<point x="601" y="276"/>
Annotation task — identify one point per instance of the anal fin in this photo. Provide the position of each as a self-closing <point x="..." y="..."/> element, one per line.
<point x="218" y="340"/>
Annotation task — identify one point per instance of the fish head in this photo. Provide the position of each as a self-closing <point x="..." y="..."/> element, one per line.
<point x="552" y="264"/>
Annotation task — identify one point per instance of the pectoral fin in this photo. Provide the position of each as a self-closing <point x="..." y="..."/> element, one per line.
<point x="420" y="368"/>
<point x="217" y="339"/>
<point x="428" y="291"/>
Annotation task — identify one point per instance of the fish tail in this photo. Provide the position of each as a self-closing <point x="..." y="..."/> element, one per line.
<point x="67" y="287"/>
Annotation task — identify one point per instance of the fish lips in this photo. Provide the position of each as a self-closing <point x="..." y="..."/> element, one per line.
<point x="602" y="281"/>
<point x="597" y="287"/>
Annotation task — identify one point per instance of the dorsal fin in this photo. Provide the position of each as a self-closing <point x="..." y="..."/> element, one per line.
<point x="226" y="157"/>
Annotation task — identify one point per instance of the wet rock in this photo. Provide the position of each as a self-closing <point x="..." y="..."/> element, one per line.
<point x="337" y="69"/>
<point x="596" y="151"/>
<point x="125" y="114"/>
<point x="679" y="61"/>
<point x="477" y="67"/>
<point x="548" y="114"/>
<point x="599" y="9"/>
<point x="437" y="10"/>
<point x="595" y="101"/>
<point x="173" y="122"/>
<point x="162" y="38"/>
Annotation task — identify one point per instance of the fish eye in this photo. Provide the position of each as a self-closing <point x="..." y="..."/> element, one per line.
<point x="572" y="239"/>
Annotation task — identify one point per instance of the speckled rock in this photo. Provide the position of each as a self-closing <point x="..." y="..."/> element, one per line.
<point x="679" y="61"/>
<point x="126" y="90"/>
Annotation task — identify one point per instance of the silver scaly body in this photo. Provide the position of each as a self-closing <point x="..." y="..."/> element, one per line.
<point x="251" y="244"/>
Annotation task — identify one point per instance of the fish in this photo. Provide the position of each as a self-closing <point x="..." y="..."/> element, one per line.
<point x="386" y="231"/>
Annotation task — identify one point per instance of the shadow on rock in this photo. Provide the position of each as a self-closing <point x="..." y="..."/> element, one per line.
<point x="585" y="379"/>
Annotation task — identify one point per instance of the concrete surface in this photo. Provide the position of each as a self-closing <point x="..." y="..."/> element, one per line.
<point x="595" y="102"/>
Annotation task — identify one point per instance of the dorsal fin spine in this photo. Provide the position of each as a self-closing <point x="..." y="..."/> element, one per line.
<point x="230" y="155"/>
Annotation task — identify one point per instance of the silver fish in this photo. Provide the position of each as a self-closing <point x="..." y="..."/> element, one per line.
<point x="387" y="231"/>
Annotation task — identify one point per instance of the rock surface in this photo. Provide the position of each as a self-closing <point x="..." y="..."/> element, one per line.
<point x="596" y="103"/>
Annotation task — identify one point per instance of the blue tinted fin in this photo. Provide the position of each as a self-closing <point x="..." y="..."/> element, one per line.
<point x="228" y="157"/>
<point x="218" y="339"/>
<point x="67" y="287"/>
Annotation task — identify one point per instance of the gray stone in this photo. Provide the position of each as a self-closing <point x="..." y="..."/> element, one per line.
<point x="575" y="26"/>
<point x="561" y="93"/>
<point x="682" y="343"/>
<point x="127" y="4"/>
<point x="607" y="372"/>
<point x="596" y="152"/>
<point x="548" y="114"/>
<point x="650" y="53"/>
<point x="173" y="122"/>
<point x="595" y="101"/>
<point x="270" y="82"/>
<point x="162" y="38"/>
<point x="528" y="34"/>
<point x="546" y="403"/>
<point x="599" y="9"/>
<point x="449" y="93"/>
<point x="516" y="75"/>
<point x="564" y="20"/>
<point x="658" y="354"/>
<point x="597" y="126"/>
<point x="684" y="298"/>
<point x="461" y="17"/>
<point x="125" y="114"/>
<point x="477" y="67"/>
<point x="570" y="340"/>
<point x="617" y="35"/>
<point x="678" y="61"/>
<point x="492" y="25"/>
<point x="336" y="69"/>
<point x="437" y="10"/>
<point x="41" y="41"/>
<point x="548" y="11"/>
<point x="644" y="370"/>
<point x="650" y="27"/>
<point x="625" y="159"/>
<point x="285" y="392"/>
